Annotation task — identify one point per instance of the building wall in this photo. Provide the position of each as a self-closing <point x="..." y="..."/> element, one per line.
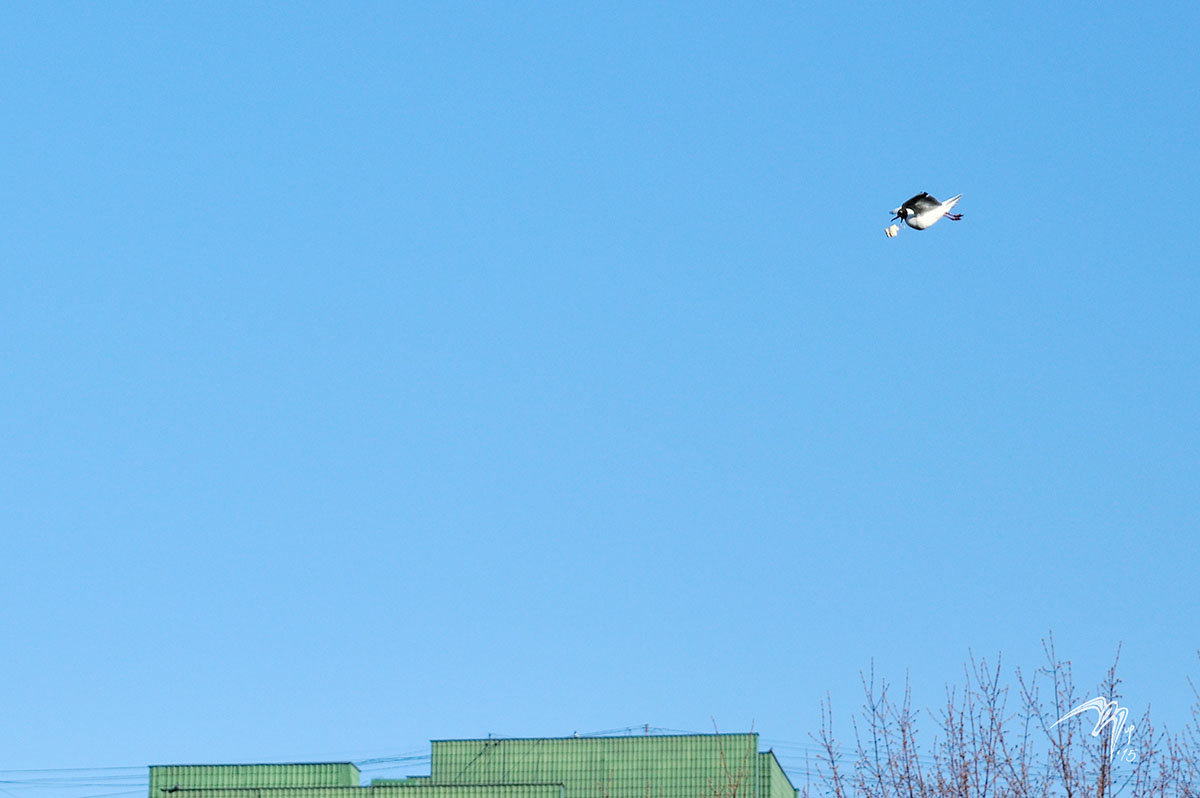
<point x="392" y="790"/>
<point x="324" y="774"/>
<point x="773" y="782"/>
<point x="684" y="766"/>
<point x="611" y="767"/>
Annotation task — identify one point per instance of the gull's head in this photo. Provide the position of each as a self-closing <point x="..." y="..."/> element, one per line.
<point x="899" y="213"/>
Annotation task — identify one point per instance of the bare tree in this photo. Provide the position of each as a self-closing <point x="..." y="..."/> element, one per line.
<point x="1047" y="744"/>
<point x="731" y="781"/>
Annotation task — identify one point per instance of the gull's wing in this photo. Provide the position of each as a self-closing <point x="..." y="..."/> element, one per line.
<point x="922" y="202"/>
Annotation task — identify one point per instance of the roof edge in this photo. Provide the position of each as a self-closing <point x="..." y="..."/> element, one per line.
<point x="596" y="737"/>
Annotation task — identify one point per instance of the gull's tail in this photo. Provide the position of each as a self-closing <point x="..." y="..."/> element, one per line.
<point x="950" y="203"/>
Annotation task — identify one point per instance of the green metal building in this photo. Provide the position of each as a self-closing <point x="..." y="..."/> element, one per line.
<point x="683" y="766"/>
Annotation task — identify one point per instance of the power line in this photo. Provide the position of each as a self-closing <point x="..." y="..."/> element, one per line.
<point x="382" y="759"/>
<point x="67" y="770"/>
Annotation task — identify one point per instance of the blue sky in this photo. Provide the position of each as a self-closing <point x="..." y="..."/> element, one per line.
<point x="375" y="372"/>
